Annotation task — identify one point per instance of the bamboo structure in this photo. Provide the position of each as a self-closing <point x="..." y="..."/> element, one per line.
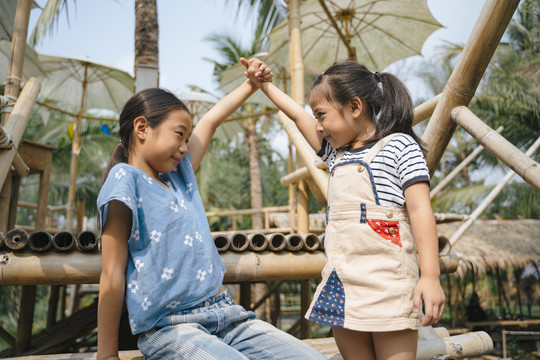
<point x="87" y="241"/>
<point x="277" y="242"/>
<point x="521" y="163"/>
<point x="491" y="196"/>
<point x="16" y="239"/>
<point x="64" y="241"/>
<point x="16" y="124"/>
<point x="448" y="178"/>
<point x="40" y="240"/>
<point x="466" y="76"/>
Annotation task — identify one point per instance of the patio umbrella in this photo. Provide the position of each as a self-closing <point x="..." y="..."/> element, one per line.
<point x="31" y="67"/>
<point x="374" y="32"/>
<point x="84" y="85"/>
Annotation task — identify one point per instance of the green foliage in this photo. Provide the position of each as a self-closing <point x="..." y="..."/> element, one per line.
<point x="51" y="128"/>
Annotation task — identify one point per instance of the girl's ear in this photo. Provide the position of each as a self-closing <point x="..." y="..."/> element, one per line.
<point x="140" y="127"/>
<point x="357" y="107"/>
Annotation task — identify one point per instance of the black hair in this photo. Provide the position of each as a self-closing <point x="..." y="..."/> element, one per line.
<point x="389" y="103"/>
<point x="154" y="104"/>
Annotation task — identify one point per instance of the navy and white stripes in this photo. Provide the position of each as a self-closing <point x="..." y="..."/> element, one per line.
<point x="398" y="165"/>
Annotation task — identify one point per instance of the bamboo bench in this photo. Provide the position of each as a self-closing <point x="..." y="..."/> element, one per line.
<point x="432" y="343"/>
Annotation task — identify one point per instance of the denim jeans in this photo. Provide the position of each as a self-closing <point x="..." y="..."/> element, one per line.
<point x="219" y="329"/>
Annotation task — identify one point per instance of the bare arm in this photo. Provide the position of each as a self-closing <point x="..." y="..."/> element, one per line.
<point x="303" y="120"/>
<point x="424" y="231"/>
<point x="114" y="255"/>
<point x="206" y="127"/>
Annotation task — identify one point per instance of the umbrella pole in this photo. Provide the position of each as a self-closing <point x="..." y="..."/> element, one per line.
<point x="75" y="151"/>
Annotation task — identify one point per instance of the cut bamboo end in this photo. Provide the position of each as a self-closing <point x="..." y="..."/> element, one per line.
<point x="222" y="242"/>
<point x="293" y="242"/>
<point x="40" y="241"/>
<point x="16" y="239"/>
<point x="277" y="242"/>
<point x="239" y="242"/>
<point x="310" y="242"/>
<point x="257" y="242"/>
<point x="87" y="241"/>
<point x="321" y="241"/>
<point x="64" y="241"/>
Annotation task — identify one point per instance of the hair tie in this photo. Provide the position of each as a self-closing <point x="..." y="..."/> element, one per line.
<point x="377" y="76"/>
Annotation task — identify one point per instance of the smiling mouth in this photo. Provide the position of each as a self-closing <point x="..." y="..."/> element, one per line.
<point x="176" y="160"/>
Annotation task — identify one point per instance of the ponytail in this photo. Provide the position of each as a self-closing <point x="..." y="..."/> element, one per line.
<point x="118" y="155"/>
<point x="396" y="110"/>
<point x="390" y="106"/>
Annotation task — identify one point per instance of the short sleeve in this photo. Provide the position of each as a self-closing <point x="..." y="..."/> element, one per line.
<point x="120" y="185"/>
<point x="411" y="164"/>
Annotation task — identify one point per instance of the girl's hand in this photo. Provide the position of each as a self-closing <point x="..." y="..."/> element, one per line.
<point x="257" y="71"/>
<point x="430" y="291"/>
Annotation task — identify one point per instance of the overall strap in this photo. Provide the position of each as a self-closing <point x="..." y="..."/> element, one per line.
<point x="377" y="147"/>
<point x="340" y="154"/>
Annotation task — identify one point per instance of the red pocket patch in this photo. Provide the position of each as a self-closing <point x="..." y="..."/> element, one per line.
<point x="386" y="229"/>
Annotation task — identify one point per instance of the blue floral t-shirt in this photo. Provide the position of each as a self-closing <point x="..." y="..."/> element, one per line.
<point x="173" y="263"/>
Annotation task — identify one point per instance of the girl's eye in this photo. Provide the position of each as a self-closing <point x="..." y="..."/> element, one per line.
<point x="180" y="133"/>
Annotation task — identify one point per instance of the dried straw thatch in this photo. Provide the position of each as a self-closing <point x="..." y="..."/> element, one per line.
<point x="489" y="244"/>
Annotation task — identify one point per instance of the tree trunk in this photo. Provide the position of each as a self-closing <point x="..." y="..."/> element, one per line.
<point x="254" y="174"/>
<point x="146" y="44"/>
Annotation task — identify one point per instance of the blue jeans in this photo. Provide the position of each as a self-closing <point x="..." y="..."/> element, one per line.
<point x="219" y="329"/>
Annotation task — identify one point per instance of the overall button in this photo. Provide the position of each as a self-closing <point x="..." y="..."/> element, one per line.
<point x="360" y="168"/>
<point x="392" y="231"/>
<point x="389" y="214"/>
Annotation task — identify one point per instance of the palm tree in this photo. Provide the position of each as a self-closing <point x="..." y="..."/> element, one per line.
<point x="268" y="16"/>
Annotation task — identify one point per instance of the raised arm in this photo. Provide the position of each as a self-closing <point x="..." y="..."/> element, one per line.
<point x="206" y="127"/>
<point x="114" y="255"/>
<point x="305" y="122"/>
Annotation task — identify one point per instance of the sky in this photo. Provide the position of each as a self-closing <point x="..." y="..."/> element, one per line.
<point x="102" y="31"/>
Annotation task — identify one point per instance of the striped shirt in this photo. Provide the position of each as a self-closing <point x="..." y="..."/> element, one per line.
<point x="397" y="166"/>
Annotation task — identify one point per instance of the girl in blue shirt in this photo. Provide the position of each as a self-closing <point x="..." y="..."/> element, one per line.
<point x="157" y="250"/>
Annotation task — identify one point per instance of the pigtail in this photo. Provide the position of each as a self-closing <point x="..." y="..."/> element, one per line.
<point x="396" y="111"/>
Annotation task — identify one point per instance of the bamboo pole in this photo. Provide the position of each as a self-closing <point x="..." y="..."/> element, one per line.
<point x="16" y="124"/>
<point x="466" y="76"/>
<point x="76" y="267"/>
<point x="448" y="178"/>
<point x="425" y="110"/>
<point x="505" y="151"/>
<point x="75" y="152"/>
<point x="459" y="346"/>
<point x="490" y="197"/>
<point x="16" y="60"/>
<point x="299" y="174"/>
<point x="26" y="318"/>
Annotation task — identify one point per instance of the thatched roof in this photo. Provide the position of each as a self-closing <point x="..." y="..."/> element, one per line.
<point x="489" y="244"/>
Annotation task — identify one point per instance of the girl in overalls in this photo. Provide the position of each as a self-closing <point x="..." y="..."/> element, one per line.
<point x="157" y="249"/>
<point x="380" y="224"/>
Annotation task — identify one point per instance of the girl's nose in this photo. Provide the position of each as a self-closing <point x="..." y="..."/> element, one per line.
<point x="319" y="127"/>
<point x="183" y="148"/>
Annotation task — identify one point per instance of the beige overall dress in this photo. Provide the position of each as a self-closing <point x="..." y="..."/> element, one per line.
<point x="369" y="279"/>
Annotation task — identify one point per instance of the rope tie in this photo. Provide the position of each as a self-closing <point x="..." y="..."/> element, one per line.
<point x="11" y="77"/>
<point x="7" y="102"/>
<point x="5" y="138"/>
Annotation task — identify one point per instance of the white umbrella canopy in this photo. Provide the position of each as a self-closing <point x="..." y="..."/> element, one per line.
<point x="376" y="32"/>
<point x="31" y="67"/>
<point x="84" y="83"/>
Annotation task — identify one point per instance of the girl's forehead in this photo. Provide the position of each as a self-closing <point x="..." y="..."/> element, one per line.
<point x="179" y="118"/>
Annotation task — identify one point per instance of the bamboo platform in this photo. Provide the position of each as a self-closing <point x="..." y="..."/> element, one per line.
<point x="433" y="342"/>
